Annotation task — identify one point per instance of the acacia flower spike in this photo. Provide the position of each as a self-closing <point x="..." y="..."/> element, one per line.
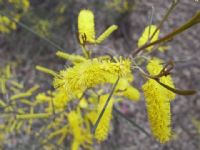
<point x="46" y="70"/>
<point x="158" y="101"/>
<point x="86" y="29"/>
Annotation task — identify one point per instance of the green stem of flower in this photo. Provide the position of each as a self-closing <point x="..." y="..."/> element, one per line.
<point x="131" y="121"/>
<point x="105" y="106"/>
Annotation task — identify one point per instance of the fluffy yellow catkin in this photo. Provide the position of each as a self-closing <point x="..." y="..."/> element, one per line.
<point x="106" y="33"/>
<point x="71" y="57"/>
<point x="147" y="33"/>
<point x="158" y="103"/>
<point x="80" y="137"/>
<point x="46" y="70"/>
<point x="124" y="89"/>
<point x="86" y="26"/>
<point x="77" y="79"/>
<point x="103" y="127"/>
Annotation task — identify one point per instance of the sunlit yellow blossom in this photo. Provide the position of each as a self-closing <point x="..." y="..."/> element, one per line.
<point x="86" y="26"/>
<point x="4" y="24"/>
<point x="60" y="99"/>
<point x="71" y="57"/>
<point x="46" y="70"/>
<point x="158" y="103"/>
<point x="154" y="67"/>
<point x="103" y="127"/>
<point x="75" y="125"/>
<point x="146" y="35"/>
<point x="16" y="84"/>
<point x="90" y="73"/>
<point x="4" y="78"/>
<point x="124" y="88"/>
<point x="80" y="135"/>
<point x="106" y="33"/>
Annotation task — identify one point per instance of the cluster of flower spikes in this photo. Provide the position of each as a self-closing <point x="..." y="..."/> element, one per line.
<point x="19" y="7"/>
<point x="89" y="75"/>
<point x="75" y="104"/>
<point x="86" y="74"/>
<point x="157" y="97"/>
<point x="14" y="100"/>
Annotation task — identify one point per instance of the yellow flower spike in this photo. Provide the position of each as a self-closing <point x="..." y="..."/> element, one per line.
<point x="56" y="133"/>
<point x="19" y="125"/>
<point x="131" y="93"/>
<point x="71" y="57"/>
<point x="13" y="126"/>
<point x="83" y="103"/>
<point x="86" y="26"/>
<point x="91" y="116"/>
<point x="62" y="138"/>
<point x="4" y="23"/>
<point x="124" y="88"/>
<point x="79" y="133"/>
<point x="26" y="102"/>
<point x="158" y="108"/>
<point x="75" y="126"/>
<point x="154" y="67"/>
<point x="16" y="84"/>
<point x="106" y="33"/>
<point x="147" y="33"/>
<point x="77" y="79"/>
<point x="42" y="97"/>
<point x="61" y="99"/>
<point x="103" y="127"/>
<point x="8" y="72"/>
<point x="33" y="116"/>
<point x="28" y="129"/>
<point x="75" y="145"/>
<point x="34" y="88"/>
<point x="20" y="95"/>
<point x="14" y="90"/>
<point x="158" y="102"/>
<point x="46" y="70"/>
<point x="3" y="86"/>
<point x="2" y="104"/>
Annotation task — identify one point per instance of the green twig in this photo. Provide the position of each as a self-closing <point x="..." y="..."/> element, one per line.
<point x="193" y="21"/>
<point x="173" y="5"/>
<point x="131" y="121"/>
<point x="105" y="106"/>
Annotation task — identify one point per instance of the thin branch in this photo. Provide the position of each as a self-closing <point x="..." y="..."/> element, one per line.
<point x="105" y="106"/>
<point x="32" y="31"/>
<point x="193" y="21"/>
<point x="131" y="121"/>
